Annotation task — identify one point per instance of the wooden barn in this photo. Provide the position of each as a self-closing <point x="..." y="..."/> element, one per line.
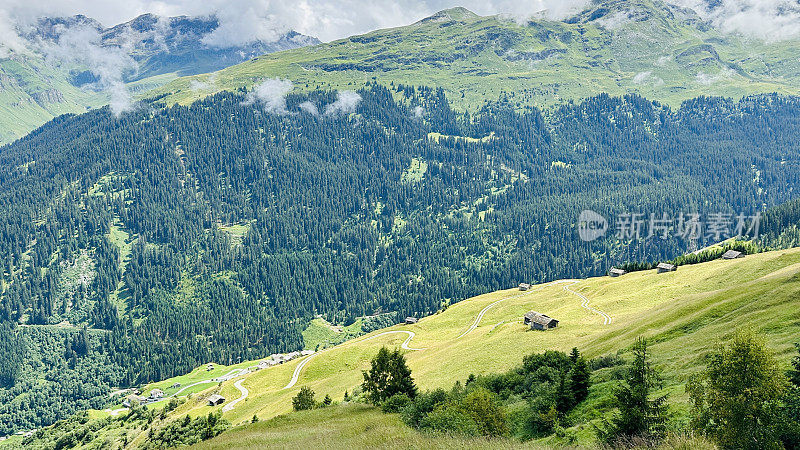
<point x="732" y="254"/>
<point x="215" y="400"/>
<point x="411" y="320"/>
<point x="539" y="321"/>
<point x="614" y="272"/>
<point x="524" y="286"/>
<point x="666" y="267"/>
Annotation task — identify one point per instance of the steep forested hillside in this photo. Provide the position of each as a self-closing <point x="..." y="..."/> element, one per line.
<point x="142" y="246"/>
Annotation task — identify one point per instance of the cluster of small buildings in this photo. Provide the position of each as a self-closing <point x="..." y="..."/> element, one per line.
<point x="135" y="398"/>
<point x="279" y="358"/>
<point x="667" y="267"/>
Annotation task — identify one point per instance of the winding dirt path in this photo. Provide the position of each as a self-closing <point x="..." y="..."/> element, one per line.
<point x="404" y="345"/>
<point x="297" y="370"/>
<point x="243" y="390"/>
<point x="483" y="312"/>
<point x="585" y="303"/>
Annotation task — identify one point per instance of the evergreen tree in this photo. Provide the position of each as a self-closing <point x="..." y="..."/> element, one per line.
<point x="639" y="416"/>
<point x="388" y="376"/>
<point x="579" y="380"/>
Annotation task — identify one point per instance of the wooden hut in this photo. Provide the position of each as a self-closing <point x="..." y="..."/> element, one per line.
<point x="614" y="272"/>
<point x="666" y="267"/>
<point x="215" y="400"/>
<point x="732" y="254"/>
<point x="539" y="321"/>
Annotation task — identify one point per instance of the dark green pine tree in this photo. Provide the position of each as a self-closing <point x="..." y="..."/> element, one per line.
<point x="639" y="415"/>
<point x="579" y="380"/>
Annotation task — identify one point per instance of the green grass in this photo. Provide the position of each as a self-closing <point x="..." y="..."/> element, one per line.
<point x="415" y="172"/>
<point x="236" y="231"/>
<point x="320" y="333"/>
<point x="685" y="314"/>
<point x="344" y="426"/>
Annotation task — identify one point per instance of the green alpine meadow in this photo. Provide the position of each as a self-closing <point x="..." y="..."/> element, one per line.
<point x="406" y="224"/>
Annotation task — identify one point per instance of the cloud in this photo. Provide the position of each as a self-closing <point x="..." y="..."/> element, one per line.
<point x="243" y="21"/>
<point x="208" y="84"/>
<point x="10" y="41"/>
<point x="80" y="46"/>
<point x="346" y="103"/>
<point x="271" y="93"/>
<point x="707" y="79"/>
<point x="647" y="78"/>
<point x="309" y="107"/>
<point x="771" y="20"/>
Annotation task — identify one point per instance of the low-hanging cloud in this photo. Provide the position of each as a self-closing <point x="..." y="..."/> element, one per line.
<point x="309" y="108"/>
<point x="80" y="46"/>
<point x="346" y="103"/>
<point x="271" y="93"/>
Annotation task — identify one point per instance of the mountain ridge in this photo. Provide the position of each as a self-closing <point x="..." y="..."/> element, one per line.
<point x="661" y="51"/>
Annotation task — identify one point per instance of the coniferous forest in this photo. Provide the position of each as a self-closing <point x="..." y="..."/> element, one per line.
<point x="138" y="247"/>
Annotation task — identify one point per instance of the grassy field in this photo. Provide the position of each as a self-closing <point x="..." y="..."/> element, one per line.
<point x="685" y="314"/>
<point x="358" y="426"/>
<point x="345" y="426"/>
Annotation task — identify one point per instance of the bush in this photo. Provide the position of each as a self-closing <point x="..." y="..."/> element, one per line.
<point x="451" y="420"/>
<point x="395" y="403"/>
<point x="304" y="399"/>
<point x="489" y="416"/>
<point x="423" y="405"/>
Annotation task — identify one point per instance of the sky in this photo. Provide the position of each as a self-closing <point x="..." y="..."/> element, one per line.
<point x="247" y="20"/>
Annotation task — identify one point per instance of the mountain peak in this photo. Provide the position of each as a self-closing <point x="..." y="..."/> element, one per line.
<point x="457" y="14"/>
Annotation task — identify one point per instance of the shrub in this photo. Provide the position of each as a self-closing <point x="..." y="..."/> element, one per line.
<point x="304" y="399"/>
<point x="451" y="420"/>
<point x="395" y="403"/>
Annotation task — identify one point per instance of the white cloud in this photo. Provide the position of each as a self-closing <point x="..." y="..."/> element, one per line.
<point x="271" y="93"/>
<point x="80" y="46"/>
<point x="647" y="77"/>
<point x="309" y="107"/>
<point x="10" y="42"/>
<point x="708" y="79"/>
<point x="765" y="19"/>
<point x="204" y="85"/>
<point x="346" y="103"/>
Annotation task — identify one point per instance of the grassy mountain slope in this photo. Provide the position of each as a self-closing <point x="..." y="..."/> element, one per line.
<point x="348" y="426"/>
<point x="645" y="46"/>
<point x="684" y="314"/>
<point x="33" y="90"/>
